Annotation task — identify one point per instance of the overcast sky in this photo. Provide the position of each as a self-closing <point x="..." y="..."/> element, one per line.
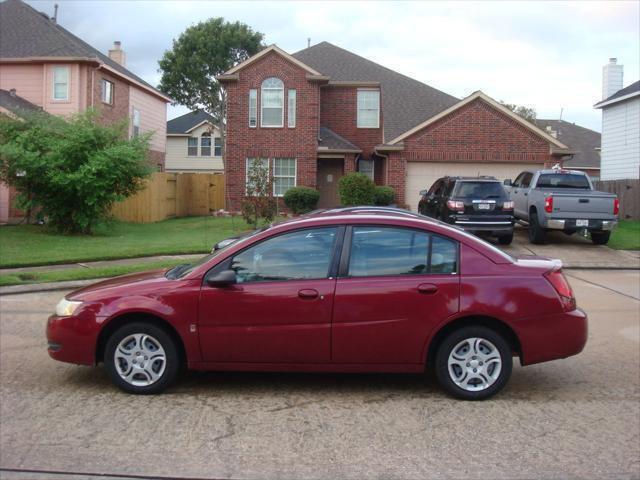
<point x="546" y="55"/>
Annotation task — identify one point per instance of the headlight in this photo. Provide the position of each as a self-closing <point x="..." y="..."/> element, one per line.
<point x="65" y="308"/>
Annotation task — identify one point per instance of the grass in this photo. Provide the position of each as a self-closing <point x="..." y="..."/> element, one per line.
<point x="29" y="245"/>
<point x="626" y="236"/>
<point x="80" y="273"/>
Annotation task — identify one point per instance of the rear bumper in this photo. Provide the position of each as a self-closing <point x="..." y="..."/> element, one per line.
<point x="71" y="339"/>
<point x="552" y="337"/>
<point x="570" y="224"/>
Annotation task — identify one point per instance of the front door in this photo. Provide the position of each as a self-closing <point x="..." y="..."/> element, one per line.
<point x="329" y="172"/>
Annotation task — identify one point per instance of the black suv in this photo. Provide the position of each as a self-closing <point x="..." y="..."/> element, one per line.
<point x="477" y="204"/>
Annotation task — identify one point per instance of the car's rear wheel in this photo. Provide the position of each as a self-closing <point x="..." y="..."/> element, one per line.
<point x="600" y="238"/>
<point x="537" y="234"/>
<point x="473" y="363"/>
<point x="141" y="358"/>
<point x="505" y="239"/>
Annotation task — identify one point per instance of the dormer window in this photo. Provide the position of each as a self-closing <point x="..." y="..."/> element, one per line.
<point x="368" y="108"/>
<point x="272" y="103"/>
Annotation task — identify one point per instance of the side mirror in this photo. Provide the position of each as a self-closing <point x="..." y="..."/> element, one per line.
<point x="507" y="182"/>
<point x="224" y="278"/>
<point x="223" y="243"/>
<point x="423" y="192"/>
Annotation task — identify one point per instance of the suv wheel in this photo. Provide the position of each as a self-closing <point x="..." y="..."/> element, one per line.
<point x="473" y="363"/>
<point x="600" y="238"/>
<point x="141" y="358"/>
<point x="505" y="239"/>
<point x="537" y="234"/>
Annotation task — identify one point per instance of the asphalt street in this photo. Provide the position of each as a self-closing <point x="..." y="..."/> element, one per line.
<point x="578" y="417"/>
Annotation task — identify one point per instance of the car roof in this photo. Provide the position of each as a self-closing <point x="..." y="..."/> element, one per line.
<point x="480" y="178"/>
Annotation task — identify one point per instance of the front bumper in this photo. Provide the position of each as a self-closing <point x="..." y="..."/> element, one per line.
<point x="570" y="224"/>
<point x="552" y="337"/>
<point x="72" y="339"/>
<point x="498" y="225"/>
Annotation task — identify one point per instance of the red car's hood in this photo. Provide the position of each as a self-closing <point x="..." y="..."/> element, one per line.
<point x="117" y="282"/>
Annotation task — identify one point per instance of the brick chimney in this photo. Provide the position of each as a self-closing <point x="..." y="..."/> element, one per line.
<point x="117" y="54"/>
<point x="611" y="78"/>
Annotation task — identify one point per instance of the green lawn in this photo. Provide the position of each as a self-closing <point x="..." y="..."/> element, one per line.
<point x="626" y="236"/>
<point x="82" y="273"/>
<point x="26" y="245"/>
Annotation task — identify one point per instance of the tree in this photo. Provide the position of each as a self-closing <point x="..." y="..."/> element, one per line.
<point x="72" y="171"/>
<point x="258" y="204"/>
<point x="529" y="114"/>
<point x="202" y="52"/>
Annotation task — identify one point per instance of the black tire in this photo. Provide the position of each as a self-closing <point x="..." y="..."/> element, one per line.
<point x="600" y="238"/>
<point x="172" y="362"/>
<point x="537" y="234"/>
<point x="505" y="239"/>
<point x="452" y="341"/>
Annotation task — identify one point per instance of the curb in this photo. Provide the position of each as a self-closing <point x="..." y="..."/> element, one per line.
<point x="47" y="287"/>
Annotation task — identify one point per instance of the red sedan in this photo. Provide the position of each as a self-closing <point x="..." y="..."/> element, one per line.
<point x="345" y="290"/>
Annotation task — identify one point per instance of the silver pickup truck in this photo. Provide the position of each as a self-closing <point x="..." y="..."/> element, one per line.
<point x="562" y="200"/>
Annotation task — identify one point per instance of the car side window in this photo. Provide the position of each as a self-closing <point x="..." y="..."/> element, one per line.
<point x="434" y="188"/>
<point x="381" y="250"/>
<point x="518" y="181"/>
<point x="300" y="255"/>
<point x="526" y="180"/>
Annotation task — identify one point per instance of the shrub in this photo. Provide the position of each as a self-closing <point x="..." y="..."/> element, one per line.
<point x="384" y="195"/>
<point x="301" y="199"/>
<point x="258" y="204"/>
<point x="356" y="189"/>
<point x="71" y="170"/>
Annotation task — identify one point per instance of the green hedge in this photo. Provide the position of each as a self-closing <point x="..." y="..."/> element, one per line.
<point x="356" y="189"/>
<point x="301" y="199"/>
<point x="384" y="195"/>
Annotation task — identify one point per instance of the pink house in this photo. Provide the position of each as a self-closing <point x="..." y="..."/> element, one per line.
<point x="43" y="65"/>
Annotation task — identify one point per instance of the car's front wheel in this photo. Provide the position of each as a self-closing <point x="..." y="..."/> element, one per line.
<point x="473" y="363"/>
<point x="505" y="239"/>
<point x="141" y="358"/>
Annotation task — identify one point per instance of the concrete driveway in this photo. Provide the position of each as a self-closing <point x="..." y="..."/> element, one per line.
<point x="578" y="417"/>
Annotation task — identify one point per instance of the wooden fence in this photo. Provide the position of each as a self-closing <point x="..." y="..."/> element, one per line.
<point x="628" y="192"/>
<point x="169" y="195"/>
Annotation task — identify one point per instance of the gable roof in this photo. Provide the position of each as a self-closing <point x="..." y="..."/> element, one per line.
<point x="26" y="33"/>
<point x="584" y="141"/>
<point x="183" y="124"/>
<point x="501" y="108"/>
<point x="405" y="102"/>
<point x="329" y="141"/>
<point x="16" y="104"/>
<point x="625" y="93"/>
<point x="271" y="48"/>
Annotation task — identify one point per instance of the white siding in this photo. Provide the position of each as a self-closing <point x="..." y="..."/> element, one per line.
<point x="153" y="116"/>
<point x="621" y="141"/>
<point x="421" y="175"/>
<point x="177" y="159"/>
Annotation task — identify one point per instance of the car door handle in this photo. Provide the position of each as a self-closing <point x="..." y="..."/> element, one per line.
<point x="427" y="288"/>
<point x="308" y="293"/>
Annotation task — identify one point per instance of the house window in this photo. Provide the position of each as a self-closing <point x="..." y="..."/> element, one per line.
<point x="262" y="162"/>
<point x="136" y="122"/>
<point x="291" y="109"/>
<point x="107" y="91"/>
<point x="253" y="108"/>
<point x="284" y="175"/>
<point x="272" y="102"/>
<point x="61" y="83"/>
<point x="192" y="146"/>
<point x="366" y="167"/>
<point x="217" y="147"/>
<point x="205" y="145"/>
<point x="368" y="108"/>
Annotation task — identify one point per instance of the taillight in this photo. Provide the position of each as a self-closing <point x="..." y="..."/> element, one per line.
<point x="561" y="285"/>
<point x="507" y="206"/>
<point x="453" y="205"/>
<point x="616" y="206"/>
<point x="548" y="204"/>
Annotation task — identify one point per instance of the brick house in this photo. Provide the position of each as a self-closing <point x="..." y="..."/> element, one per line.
<point x="45" y="65"/>
<point x="324" y="112"/>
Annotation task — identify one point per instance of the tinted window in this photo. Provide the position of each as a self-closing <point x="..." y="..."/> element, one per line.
<point x="526" y="180"/>
<point x="562" y="180"/>
<point x="479" y="190"/>
<point x="434" y="187"/>
<point x="399" y="251"/>
<point x="303" y="254"/>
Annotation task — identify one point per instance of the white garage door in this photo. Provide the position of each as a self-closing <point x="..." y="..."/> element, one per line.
<point x="421" y="175"/>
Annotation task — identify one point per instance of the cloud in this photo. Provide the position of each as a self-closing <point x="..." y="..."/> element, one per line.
<point x="546" y="55"/>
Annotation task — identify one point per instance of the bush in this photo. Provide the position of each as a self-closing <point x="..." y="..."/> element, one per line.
<point x="384" y="195"/>
<point x="301" y="199"/>
<point x="258" y="204"/>
<point x="356" y="189"/>
<point x="71" y="170"/>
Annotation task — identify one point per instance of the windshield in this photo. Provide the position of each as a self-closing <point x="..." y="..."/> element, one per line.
<point x="478" y="190"/>
<point x="563" y="180"/>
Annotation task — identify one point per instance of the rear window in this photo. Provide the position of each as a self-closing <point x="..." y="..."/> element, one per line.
<point x="562" y="180"/>
<point x="478" y="190"/>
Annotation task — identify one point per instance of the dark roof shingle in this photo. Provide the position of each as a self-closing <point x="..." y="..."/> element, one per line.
<point x="16" y="104"/>
<point x="633" y="88"/>
<point x="25" y="32"/>
<point x="584" y="141"/>
<point x="405" y="102"/>
<point x="187" y="121"/>
<point x="329" y="140"/>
